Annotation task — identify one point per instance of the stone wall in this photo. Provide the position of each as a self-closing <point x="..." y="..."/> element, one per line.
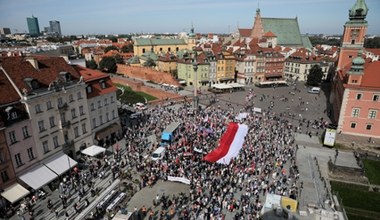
<point x="147" y="73"/>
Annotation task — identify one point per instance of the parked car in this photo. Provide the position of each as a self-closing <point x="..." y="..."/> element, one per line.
<point x="314" y="90"/>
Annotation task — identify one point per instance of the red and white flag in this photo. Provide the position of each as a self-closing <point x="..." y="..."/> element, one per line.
<point x="229" y="145"/>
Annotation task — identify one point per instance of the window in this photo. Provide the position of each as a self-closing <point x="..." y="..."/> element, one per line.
<point x="359" y="96"/>
<point x="113" y="114"/>
<point x="372" y="114"/>
<point x="73" y="113"/>
<point x="71" y="98"/>
<point x="107" y="116"/>
<point x="354" y="81"/>
<point x="355" y="112"/>
<point x="49" y="105"/>
<point x="94" y="122"/>
<point x="41" y="126"/>
<point x="92" y="106"/>
<point x="45" y="146"/>
<point x="18" y="160"/>
<point x="79" y="95"/>
<point x="81" y="111"/>
<point x="368" y="127"/>
<point x="101" y="119"/>
<point x="60" y="102"/>
<point x="30" y="153"/>
<point x="52" y="122"/>
<point x="76" y="132"/>
<point x="1" y="157"/>
<point x="38" y="108"/>
<point x="4" y="176"/>
<point x="84" y="130"/>
<point x="353" y="125"/>
<point x="99" y="104"/>
<point x="375" y="98"/>
<point x="55" y="141"/>
<point x="89" y="89"/>
<point x="25" y="132"/>
<point x="105" y="101"/>
<point x="63" y="117"/>
<point x="112" y="99"/>
<point x="103" y="84"/>
<point x="12" y="137"/>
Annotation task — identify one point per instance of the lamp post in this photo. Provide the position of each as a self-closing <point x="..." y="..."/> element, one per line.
<point x="195" y="67"/>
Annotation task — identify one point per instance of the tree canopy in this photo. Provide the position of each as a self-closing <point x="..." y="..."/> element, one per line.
<point x="127" y="48"/>
<point x="315" y="76"/>
<point x="149" y="62"/>
<point x="372" y="42"/>
<point x="108" y="65"/>
<point x="110" y="48"/>
<point x="91" y="64"/>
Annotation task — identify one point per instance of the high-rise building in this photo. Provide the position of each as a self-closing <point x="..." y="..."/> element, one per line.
<point x="33" y="27"/>
<point x="5" y="31"/>
<point x="55" y="27"/>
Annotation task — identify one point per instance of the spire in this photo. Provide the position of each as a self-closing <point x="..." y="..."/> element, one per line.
<point x="358" y="11"/>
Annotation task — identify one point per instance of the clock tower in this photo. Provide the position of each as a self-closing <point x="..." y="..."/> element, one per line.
<point x="354" y="34"/>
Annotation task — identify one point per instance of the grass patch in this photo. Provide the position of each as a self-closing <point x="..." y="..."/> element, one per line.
<point x="357" y="199"/>
<point x="372" y="171"/>
<point x="131" y="97"/>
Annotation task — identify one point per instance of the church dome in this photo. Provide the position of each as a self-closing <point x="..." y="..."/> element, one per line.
<point x="358" y="61"/>
<point x="359" y="10"/>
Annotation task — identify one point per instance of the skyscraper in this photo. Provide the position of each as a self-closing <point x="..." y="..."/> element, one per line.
<point x="55" y="27"/>
<point x="34" y="28"/>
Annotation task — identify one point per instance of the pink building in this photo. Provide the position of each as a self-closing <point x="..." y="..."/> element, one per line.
<point x="356" y="88"/>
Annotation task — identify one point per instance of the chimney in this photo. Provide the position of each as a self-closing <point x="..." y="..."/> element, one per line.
<point x="33" y="61"/>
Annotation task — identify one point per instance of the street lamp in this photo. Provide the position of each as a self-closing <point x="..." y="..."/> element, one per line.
<point x="195" y="67"/>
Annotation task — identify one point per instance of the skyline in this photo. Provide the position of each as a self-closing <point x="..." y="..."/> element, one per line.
<point x="123" y="17"/>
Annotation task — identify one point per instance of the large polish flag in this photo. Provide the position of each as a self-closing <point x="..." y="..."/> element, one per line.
<point x="229" y="145"/>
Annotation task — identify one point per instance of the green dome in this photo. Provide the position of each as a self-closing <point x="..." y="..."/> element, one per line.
<point x="358" y="61"/>
<point x="358" y="11"/>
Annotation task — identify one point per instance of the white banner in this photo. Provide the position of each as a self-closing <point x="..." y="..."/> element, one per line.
<point x="179" y="179"/>
<point x="330" y="137"/>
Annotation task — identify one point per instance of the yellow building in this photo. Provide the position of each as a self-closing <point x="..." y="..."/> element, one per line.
<point x="167" y="63"/>
<point x="225" y="67"/>
<point x="155" y="45"/>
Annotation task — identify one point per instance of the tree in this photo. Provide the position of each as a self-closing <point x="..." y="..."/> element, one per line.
<point x="127" y="48"/>
<point x="91" y="64"/>
<point x="119" y="59"/>
<point x="149" y="62"/>
<point x="108" y="65"/>
<point x="372" y="42"/>
<point x="315" y="76"/>
<point x="331" y="73"/>
<point x="110" y="48"/>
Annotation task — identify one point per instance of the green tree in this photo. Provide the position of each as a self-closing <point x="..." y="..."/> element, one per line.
<point x="127" y="48"/>
<point x="315" y="76"/>
<point x="91" y="64"/>
<point x="119" y="59"/>
<point x="149" y="62"/>
<point x="372" y="42"/>
<point x="110" y="48"/>
<point x="108" y="65"/>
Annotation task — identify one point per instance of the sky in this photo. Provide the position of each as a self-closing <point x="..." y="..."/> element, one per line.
<point x="174" y="16"/>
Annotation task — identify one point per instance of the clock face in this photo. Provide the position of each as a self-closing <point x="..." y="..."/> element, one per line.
<point x="354" y="33"/>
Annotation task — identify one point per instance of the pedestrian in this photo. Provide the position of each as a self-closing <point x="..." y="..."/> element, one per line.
<point x="56" y="213"/>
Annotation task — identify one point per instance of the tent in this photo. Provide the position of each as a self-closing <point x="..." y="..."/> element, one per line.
<point x="93" y="150"/>
<point x="15" y="193"/>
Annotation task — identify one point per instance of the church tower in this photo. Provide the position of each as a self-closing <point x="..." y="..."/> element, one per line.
<point x="258" y="29"/>
<point x="354" y="34"/>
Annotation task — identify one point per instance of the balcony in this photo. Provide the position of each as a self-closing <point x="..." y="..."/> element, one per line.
<point x="68" y="143"/>
<point x="62" y="106"/>
<point x="66" y="124"/>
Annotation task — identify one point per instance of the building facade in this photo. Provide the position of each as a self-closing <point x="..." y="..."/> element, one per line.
<point x="33" y="26"/>
<point x="356" y="87"/>
<point x="55" y="28"/>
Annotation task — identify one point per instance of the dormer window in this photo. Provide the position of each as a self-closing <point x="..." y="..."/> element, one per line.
<point x="65" y="76"/>
<point x="102" y="84"/>
<point x="89" y="89"/>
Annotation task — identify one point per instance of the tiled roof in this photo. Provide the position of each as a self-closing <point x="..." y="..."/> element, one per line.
<point x="371" y="74"/>
<point x="48" y="70"/>
<point x="155" y="41"/>
<point x="269" y="34"/>
<point x="10" y="95"/>
<point x="93" y="78"/>
<point x="245" y="32"/>
<point x="286" y="29"/>
<point x="375" y="51"/>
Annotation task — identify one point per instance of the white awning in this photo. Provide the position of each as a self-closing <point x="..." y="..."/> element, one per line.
<point x="14" y="193"/>
<point x="221" y="86"/>
<point x="38" y="177"/>
<point x="93" y="150"/>
<point x="60" y="163"/>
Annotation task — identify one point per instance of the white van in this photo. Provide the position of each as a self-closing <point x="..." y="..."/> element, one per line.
<point x="314" y="90"/>
<point x="158" y="154"/>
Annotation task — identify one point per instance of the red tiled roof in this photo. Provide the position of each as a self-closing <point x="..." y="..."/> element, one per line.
<point x="8" y="94"/>
<point x="18" y="68"/>
<point x="245" y="32"/>
<point x="375" y="51"/>
<point x="93" y="78"/>
<point x="269" y="34"/>
<point x="371" y="74"/>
